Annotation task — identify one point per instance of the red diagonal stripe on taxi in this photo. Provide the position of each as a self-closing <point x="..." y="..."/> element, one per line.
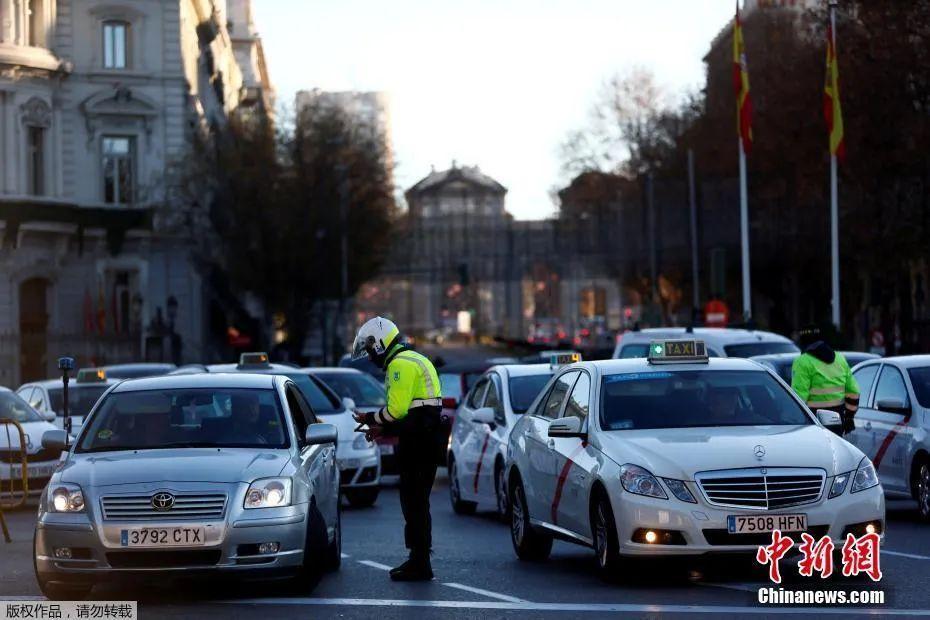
<point x="484" y="448"/>
<point x="560" y="484"/>
<point x="882" y="449"/>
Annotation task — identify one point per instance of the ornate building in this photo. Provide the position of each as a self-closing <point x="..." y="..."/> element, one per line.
<point x="98" y="101"/>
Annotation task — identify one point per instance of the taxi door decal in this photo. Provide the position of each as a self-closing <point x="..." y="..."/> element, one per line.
<point x="560" y="484"/>
<point x="484" y="448"/>
<point x="882" y="449"/>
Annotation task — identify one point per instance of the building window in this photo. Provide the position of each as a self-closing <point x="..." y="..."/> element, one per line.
<point x="35" y="161"/>
<point x="118" y="169"/>
<point x="34" y="15"/>
<point x="115" y="45"/>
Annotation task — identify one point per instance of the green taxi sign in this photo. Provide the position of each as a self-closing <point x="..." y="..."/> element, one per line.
<point x="677" y="351"/>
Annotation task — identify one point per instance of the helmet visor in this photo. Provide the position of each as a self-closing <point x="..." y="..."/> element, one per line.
<point x="361" y="347"/>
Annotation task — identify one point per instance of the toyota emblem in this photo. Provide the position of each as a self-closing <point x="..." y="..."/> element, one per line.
<point x="162" y="501"/>
<point x="759" y="452"/>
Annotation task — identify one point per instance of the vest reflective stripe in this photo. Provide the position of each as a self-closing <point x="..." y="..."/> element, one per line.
<point x="424" y="372"/>
<point x="826" y="391"/>
<point x="426" y="402"/>
<point x="824" y="404"/>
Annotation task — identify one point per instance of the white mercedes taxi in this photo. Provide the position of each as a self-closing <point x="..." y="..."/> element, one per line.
<point x="679" y="454"/>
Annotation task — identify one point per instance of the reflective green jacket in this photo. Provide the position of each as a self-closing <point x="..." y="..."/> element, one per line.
<point x="410" y="381"/>
<point x="823" y="385"/>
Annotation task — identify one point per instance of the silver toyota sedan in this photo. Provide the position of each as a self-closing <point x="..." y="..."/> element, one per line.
<point x="181" y="476"/>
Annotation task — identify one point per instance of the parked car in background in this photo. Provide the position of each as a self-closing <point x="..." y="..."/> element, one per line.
<point x="139" y="370"/>
<point x="893" y="422"/>
<point x="363" y="364"/>
<point x="178" y="476"/>
<point x="368" y="395"/>
<point x="40" y="461"/>
<point x="478" y="443"/>
<point x="47" y="397"/>
<point x="720" y="341"/>
<point x="456" y="380"/>
<point x="781" y="362"/>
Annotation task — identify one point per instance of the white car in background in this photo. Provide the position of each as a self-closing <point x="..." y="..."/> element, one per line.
<point x="478" y="442"/>
<point x="40" y="462"/>
<point x="892" y="424"/>
<point x="84" y="390"/>
<point x="680" y="454"/>
<point x="720" y="341"/>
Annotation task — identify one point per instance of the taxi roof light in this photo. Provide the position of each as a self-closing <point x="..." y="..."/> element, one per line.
<point x="257" y="359"/>
<point x="563" y="359"/>
<point x="677" y="352"/>
<point x="91" y="375"/>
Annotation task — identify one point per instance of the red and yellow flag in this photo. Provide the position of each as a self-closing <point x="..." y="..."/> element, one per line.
<point x="741" y="86"/>
<point x="832" y="111"/>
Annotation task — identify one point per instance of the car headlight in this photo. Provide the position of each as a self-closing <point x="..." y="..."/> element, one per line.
<point x="865" y="477"/>
<point x="268" y="493"/>
<point x="360" y="443"/>
<point x="637" y="480"/>
<point x="65" y="497"/>
<point x="680" y="490"/>
<point x="839" y="484"/>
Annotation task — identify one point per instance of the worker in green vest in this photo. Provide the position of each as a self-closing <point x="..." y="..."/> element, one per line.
<point x="821" y="377"/>
<point x="412" y="413"/>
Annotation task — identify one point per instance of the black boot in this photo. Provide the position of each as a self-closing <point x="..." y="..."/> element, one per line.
<point x="417" y="568"/>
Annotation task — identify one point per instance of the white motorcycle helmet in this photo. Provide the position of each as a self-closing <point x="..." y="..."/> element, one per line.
<point x="374" y="338"/>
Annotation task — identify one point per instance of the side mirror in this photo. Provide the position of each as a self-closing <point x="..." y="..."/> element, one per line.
<point x="830" y="419"/>
<point x="566" y="427"/>
<point x="892" y="404"/>
<point x="320" y="434"/>
<point x="55" y="441"/>
<point x="48" y="416"/>
<point x="484" y="415"/>
<point x="348" y="403"/>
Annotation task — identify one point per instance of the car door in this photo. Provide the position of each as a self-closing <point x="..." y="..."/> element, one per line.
<point x="859" y="437"/>
<point x="886" y="429"/>
<point x="489" y="438"/>
<point x="470" y="437"/>
<point x="318" y="462"/>
<point x="575" y="460"/>
<point x="540" y="480"/>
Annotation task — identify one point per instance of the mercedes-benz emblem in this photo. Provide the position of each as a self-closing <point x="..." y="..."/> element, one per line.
<point x="759" y="451"/>
<point x="162" y="501"/>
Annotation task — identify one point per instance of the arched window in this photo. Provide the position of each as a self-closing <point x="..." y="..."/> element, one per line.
<point x="115" y="44"/>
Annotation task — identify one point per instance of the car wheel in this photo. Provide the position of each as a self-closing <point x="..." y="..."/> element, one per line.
<point x="500" y="489"/>
<point x="362" y="498"/>
<point x="528" y="542"/>
<point x="315" y="547"/>
<point x="923" y="491"/>
<point x="606" y="541"/>
<point x="55" y="591"/>
<point x="334" y="549"/>
<point x="459" y="505"/>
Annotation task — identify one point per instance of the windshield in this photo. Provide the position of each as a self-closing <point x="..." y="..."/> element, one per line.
<point x="81" y="398"/>
<point x="362" y="388"/>
<point x="751" y="349"/>
<point x="920" y="379"/>
<point x="451" y="386"/>
<point x="320" y="401"/>
<point x="12" y="407"/>
<point x="693" y="398"/>
<point x="524" y="389"/>
<point x="186" y="418"/>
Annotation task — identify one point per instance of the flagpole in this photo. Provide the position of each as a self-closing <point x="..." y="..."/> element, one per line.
<point x="744" y="231"/>
<point x="834" y="200"/>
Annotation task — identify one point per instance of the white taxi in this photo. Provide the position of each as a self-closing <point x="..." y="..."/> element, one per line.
<point x="478" y="441"/>
<point x="40" y="462"/>
<point x="679" y="454"/>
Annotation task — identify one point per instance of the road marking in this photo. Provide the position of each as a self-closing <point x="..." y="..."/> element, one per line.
<point x="913" y="556"/>
<point x="582" y="607"/>
<point x="488" y="593"/>
<point x="377" y="565"/>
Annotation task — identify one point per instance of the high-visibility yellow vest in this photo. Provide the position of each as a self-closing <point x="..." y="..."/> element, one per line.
<point x="823" y="385"/>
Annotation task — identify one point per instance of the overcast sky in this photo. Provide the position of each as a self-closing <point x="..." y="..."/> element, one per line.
<point x="494" y="83"/>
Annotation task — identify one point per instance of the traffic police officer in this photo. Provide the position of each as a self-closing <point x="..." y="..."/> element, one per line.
<point x="412" y="413"/>
<point x="821" y="376"/>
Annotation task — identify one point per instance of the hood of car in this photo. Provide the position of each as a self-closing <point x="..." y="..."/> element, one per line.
<point x="33" y="431"/>
<point x="223" y="465"/>
<point x="682" y="452"/>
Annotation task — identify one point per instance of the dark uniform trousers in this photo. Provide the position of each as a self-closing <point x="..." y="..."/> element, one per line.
<point x="417" y="447"/>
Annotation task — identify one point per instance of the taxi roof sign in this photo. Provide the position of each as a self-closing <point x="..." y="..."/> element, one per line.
<point x="563" y="359"/>
<point x="677" y="351"/>
<point x="91" y="375"/>
<point x="254" y="359"/>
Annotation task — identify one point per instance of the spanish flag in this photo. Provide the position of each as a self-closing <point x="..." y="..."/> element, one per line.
<point x="832" y="111"/>
<point x="741" y="86"/>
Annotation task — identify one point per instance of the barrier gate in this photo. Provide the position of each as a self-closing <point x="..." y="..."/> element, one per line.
<point x="10" y="462"/>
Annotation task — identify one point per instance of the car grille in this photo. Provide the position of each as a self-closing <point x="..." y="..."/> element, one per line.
<point x="761" y="488"/>
<point x="163" y="559"/>
<point x="186" y="506"/>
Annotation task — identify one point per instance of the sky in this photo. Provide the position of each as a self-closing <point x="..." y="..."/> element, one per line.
<point x="493" y="83"/>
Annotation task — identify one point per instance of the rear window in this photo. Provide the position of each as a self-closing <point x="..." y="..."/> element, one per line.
<point x="362" y="388"/>
<point x="523" y="390"/>
<point x="633" y="350"/>
<point x="752" y="349"/>
<point x="696" y="398"/>
<point x="81" y="398"/>
<point x="920" y="379"/>
<point x="12" y="407"/>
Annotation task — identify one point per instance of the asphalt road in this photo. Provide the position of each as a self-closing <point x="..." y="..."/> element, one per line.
<point x="477" y="575"/>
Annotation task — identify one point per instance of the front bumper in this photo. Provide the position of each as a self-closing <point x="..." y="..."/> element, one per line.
<point x="703" y="527"/>
<point x="230" y="547"/>
<point x="358" y="468"/>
